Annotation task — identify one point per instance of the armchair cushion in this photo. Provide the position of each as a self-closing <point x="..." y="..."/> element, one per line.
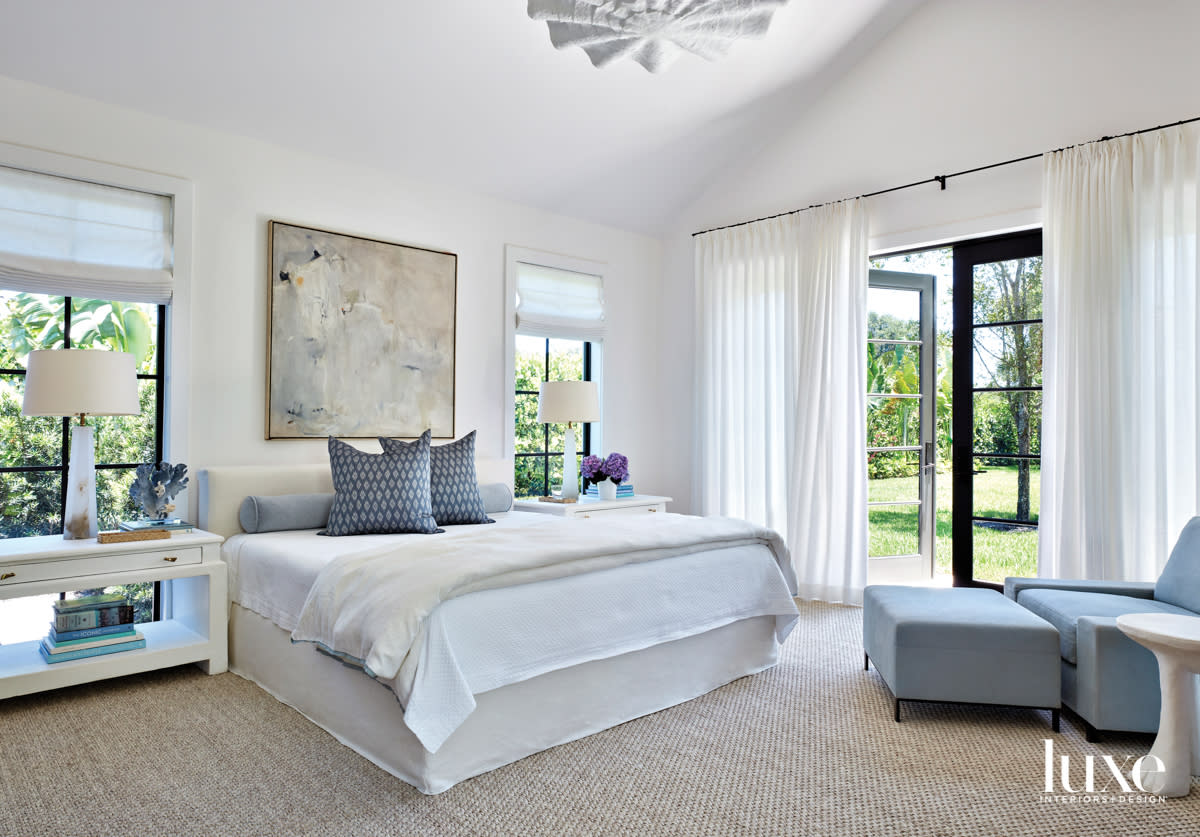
<point x="1179" y="583"/>
<point x="1063" y="608"/>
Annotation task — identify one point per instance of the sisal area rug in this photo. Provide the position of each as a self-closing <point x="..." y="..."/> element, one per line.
<point x="806" y="748"/>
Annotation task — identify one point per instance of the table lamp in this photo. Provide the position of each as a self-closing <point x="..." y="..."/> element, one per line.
<point x="79" y="382"/>
<point x="568" y="402"/>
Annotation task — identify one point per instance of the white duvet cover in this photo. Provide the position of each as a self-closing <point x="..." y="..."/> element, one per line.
<point x="441" y="618"/>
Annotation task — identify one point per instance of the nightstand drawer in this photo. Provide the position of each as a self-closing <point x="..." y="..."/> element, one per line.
<point x="96" y="564"/>
<point x="660" y="507"/>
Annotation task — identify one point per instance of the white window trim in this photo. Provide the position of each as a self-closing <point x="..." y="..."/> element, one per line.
<point x="514" y="255"/>
<point x="177" y="374"/>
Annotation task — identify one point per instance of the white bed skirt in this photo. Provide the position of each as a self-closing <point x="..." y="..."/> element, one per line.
<point x="508" y="723"/>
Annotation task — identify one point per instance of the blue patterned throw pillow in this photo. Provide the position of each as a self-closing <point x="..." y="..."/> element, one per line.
<point x="453" y="488"/>
<point x="379" y="494"/>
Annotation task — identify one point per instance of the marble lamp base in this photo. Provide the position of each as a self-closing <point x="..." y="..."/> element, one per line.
<point x="79" y="517"/>
<point x="570" y="480"/>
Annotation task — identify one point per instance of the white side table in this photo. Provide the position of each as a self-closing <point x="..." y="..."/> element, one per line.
<point x="595" y="507"/>
<point x="194" y="624"/>
<point x="1175" y="641"/>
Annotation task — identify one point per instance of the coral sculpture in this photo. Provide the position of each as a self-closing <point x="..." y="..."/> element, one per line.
<point x="155" y="486"/>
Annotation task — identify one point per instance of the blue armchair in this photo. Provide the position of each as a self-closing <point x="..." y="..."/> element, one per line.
<point x="1109" y="680"/>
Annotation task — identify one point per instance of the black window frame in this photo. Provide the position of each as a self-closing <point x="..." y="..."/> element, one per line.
<point x="545" y="454"/>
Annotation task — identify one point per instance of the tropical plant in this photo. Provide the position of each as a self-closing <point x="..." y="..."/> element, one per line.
<point x="36" y="321"/>
<point x="892" y="369"/>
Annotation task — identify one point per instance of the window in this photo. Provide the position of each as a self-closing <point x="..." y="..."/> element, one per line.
<point x="82" y="265"/>
<point x="36" y="450"/>
<point x="556" y="328"/>
<point x="539" y="447"/>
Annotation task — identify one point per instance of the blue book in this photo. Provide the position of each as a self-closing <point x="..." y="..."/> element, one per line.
<point x="89" y="652"/>
<point x="122" y="636"/>
<point x="625" y="489"/>
<point x="60" y="637"/>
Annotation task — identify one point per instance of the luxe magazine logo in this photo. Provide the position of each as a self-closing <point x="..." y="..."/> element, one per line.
<point x="1121" y="783"/>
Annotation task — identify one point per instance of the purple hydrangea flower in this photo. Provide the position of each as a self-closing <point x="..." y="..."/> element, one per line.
<point x="591" y="466"/>
<point x="616" y="468"/>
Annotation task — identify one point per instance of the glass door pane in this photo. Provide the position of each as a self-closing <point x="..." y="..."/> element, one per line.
<point x="900" y="421"/>
<point x="998" y="394"/>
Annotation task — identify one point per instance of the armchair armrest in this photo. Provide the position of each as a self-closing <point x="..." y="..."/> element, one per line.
<point x="1137" y="589"/>
<point x="1117" y="679"/>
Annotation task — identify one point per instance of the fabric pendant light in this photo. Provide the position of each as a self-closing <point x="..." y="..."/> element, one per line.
<point x="653" y="32"/>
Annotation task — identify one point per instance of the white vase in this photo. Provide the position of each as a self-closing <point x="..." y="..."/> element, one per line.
<point x="607" y="489"/>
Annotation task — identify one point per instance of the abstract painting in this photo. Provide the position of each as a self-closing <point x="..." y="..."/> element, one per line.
<point x="361" y="336"/>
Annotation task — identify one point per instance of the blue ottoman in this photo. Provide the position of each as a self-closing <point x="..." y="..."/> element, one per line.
<point x="961" y="645"/>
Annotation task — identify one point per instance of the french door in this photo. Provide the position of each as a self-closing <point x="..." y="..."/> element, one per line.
<point x="901" y="427"/>
<point x="997" y="424"/>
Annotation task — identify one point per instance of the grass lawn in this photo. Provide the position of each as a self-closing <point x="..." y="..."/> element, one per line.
<point x="998" y="552"/>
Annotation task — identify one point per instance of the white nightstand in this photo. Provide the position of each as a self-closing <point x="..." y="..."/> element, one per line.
<point x="194" y="606"/>
<point x="594" y="507"/>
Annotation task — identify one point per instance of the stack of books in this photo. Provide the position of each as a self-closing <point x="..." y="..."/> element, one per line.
<point x="625" y="489"/>
<point x="89" y="627"/>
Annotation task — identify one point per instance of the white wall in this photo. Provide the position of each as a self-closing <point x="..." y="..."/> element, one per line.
<point x="961" y="83"/>
<point x="240" y="184"/>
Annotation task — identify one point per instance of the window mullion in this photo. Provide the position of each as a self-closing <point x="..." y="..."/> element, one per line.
<point x="546" y="430"/>
<point x="65" y="460"/>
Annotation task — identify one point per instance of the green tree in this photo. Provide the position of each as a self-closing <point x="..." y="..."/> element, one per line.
<point x="1010" y="356"/>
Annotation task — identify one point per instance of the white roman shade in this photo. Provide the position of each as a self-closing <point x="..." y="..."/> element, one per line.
<point x="62" y="236"/>
<point x="559" y="303"/>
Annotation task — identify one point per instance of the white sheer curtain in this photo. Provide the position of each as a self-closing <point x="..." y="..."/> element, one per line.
<point x="1120" y="462"/>
<point x="781" y="383"/>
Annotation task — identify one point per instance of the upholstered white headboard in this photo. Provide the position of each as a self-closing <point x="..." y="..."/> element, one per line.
<point x="222" y="489"/>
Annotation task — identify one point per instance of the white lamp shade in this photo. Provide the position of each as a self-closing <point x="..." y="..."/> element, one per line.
<point x="71" y="382"/>
<point x="560" y="402"/>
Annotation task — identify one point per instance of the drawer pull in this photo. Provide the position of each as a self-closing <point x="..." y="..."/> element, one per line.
<point x="171" y="558"/>
<point x="7" y="576"/>
<point x="652" y="510"/>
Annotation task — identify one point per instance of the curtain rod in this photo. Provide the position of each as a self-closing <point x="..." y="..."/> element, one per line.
<point x="942" y="178"/>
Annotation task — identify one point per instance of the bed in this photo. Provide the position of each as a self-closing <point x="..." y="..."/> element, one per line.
<point x="508" y="669"/>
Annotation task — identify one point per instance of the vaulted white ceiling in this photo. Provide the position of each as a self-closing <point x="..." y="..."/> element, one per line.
<point x="467" y="92"/>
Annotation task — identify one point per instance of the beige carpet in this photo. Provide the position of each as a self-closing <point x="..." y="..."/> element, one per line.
<point x="807" y="748"/>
